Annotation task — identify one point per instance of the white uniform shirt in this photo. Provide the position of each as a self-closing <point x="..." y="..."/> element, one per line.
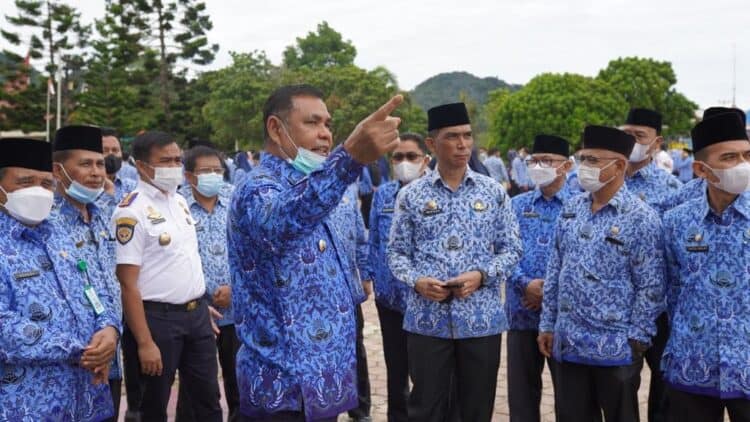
<point x="156" y="232"/>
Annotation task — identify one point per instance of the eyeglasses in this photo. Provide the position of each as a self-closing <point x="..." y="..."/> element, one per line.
<point x="590" y="159"/>
<point x="206" y="170"/>
<point x="410" y="156"/>
<point x="544" y="162"/>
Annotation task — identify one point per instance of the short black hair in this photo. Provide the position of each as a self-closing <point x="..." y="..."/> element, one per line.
<point x="492" y="151"/>
<point x="61" y="156"/>
<point x="280" y="102"/>
<point x="415" y="137"/>
<point x="145" y="142"/>
<point x="108" y="131"/>
<point x="196" y="152"/>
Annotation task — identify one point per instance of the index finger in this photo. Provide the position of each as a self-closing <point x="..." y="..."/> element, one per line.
<point x="386" y="109"/>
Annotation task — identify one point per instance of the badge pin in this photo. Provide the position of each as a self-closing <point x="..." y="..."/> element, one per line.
<point x="322" y="245"/>
<point x="431" y="205"/>
<point x="614" y="230"/>
<point x="480" y="206"/>
<point x="80" y="244"/>
<point x="164" y="239"/>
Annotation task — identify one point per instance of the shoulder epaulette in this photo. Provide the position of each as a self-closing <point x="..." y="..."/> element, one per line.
<point x="128" y="199"/>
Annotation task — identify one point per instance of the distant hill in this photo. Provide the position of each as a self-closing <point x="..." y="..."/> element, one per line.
<point x="447" y="87"/>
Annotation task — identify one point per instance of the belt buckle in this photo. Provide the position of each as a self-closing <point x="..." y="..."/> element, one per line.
<point x="192" y="305"/>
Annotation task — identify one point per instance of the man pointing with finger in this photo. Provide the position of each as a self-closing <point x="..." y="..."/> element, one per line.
<point x="291" y="278"/>
<point x="454" y="240"/>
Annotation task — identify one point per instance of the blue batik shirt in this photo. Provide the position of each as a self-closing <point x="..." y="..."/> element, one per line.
<point x="693" y="189"/>
<point x="291" y="279"/>
<point x="94" y="243"/>
<point x="45" y="324"/>
<point x="684" y="168"/>
<point x="604" y="282"/>
<point x="708" y="266"/>
<point x="123" y="186"/>
<point x="537" y="217"/>
<point x="211" y="230"/>
<point x="521" y="173"/>
<point x="442" y="234"/>
<point x="389" y="291"/>
<point x="654" y="186"/>
<point x="347" y="220"/>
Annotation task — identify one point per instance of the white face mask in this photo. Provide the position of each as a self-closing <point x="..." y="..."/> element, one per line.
<point x="167" y="179"/>
<point x="30" y="206"/>
<point x="542" y="176"/>
<point x="588" y="177"/>
<point x="734" y="180"/>
<point x="406" y="171"/>
<point x="640" y="152"/>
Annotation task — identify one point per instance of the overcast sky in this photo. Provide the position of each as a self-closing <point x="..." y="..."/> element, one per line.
<point x="511" y="39"/>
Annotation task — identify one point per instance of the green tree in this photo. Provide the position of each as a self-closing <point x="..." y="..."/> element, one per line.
<point x="560" y="104"/>
<point x="56" y="38"/>
<point x="235" y="104"/>
<point x="321" y="49"/>
<point x="649" y="83"/>
<point x="22" y="94"/>
<point x="177" y="30"/>
<point x="120" y="77"/>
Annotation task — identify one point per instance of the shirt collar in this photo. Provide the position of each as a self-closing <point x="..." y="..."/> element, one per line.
<point x="620" y="201"/>
<point x="435" y="177"/>
<point x="281" y="167"/>
<point x="741" y="205"/>
<point x="151" y="191"/>
<point x="647" y="171"/>
<point x="20" y="231"/>
<point x="561" y="195"/>
<point x="190" y="198"/>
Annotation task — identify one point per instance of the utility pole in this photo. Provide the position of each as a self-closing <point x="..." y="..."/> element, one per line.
<point x="59" y="97"/>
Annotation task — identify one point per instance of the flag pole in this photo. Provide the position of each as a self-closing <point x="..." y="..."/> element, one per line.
<point x="59" y="98"/>
<point x="47" y="116"/>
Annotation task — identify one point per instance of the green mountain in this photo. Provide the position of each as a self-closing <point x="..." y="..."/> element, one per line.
<point x="447" y="88"/>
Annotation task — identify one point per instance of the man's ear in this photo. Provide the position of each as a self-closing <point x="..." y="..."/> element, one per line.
<point x="429" y="142"/>
<point x="275" y="129"/>
<point x="700" y="169"/>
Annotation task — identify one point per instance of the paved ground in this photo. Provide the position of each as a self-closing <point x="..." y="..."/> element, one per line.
<point x="378" y="382"/>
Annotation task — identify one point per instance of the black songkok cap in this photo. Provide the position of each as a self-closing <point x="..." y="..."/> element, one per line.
<point x="719" y="128"/>
<point x="25" y="153"/>
<point x="609" y="138"/>
<point x="78" y="137"/>
<point x="551" y="144"/>
<point x="714" y="111"/>
<point x="447" y="115"/>
<point x="644" y="117"/>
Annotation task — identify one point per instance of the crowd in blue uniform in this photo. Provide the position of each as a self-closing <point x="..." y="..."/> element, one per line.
<point x="599" y="264"/>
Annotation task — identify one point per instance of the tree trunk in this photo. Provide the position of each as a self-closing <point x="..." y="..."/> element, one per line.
<point x="163" y="68"/>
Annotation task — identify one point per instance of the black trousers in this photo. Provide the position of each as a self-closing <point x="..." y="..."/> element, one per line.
<point x="525" y="366"/>
<point x="282" y="417"/>
<point x="687" y="407"/>
<point x="471" y="363"/>
<point x="115" y="389"/>
<point x="187" y="344"/>
<point x="658" y="400"/>
<point x="363" y="377"/>
<point x="612" y="390"/>
<point x="228" y="345"/>
<point x="396" y="362"/>
<point x="131" y="371"/>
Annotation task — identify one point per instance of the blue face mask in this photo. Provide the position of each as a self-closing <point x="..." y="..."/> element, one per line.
<point x="306" y="161"/>
<point x="209" y="184"/>
<point x="79" y="192"/>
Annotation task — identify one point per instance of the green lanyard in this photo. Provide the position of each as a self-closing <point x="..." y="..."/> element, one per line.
<point x="88" y="289"/>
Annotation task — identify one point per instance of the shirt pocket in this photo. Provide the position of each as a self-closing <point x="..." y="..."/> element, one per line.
<point x="605" y="293"/>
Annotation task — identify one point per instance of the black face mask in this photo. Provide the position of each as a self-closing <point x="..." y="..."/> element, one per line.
<point x="112" y="163"/>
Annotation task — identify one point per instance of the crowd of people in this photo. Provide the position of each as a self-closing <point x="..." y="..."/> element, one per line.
<point x="164" y="263"/>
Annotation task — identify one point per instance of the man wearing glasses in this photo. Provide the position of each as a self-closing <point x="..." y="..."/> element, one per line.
<point x="657" y="188"/>
<point x="207" y="197"/>
<point x="604" y="286"/>
<point x="537" y="212"/>
<point x="409" y="163"/>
